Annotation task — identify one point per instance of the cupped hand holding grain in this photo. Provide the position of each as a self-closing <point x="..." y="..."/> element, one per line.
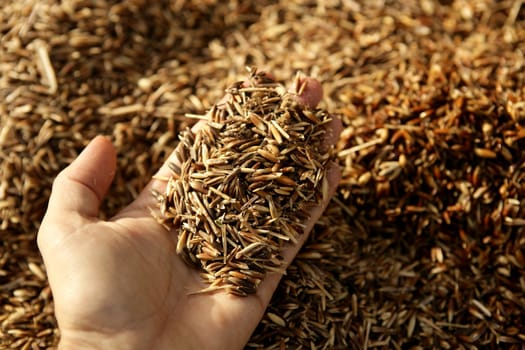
<point x="118" y="284"/>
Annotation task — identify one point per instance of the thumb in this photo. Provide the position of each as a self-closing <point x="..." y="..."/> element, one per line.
<point x="78" y="191"/>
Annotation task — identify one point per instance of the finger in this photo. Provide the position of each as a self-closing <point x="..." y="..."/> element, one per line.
<point x="308" y="91"/>
<point x="79" y="189"/>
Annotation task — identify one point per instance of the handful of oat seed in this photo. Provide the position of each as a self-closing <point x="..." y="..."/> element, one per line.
<point x="243" y="184"/>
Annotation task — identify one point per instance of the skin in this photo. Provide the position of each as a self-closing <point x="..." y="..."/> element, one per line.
<point x="118" y="284"/>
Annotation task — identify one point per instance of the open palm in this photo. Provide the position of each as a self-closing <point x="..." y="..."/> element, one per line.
<point x="118" y="284"/>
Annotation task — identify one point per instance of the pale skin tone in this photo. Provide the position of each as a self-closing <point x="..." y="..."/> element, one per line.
<point x="118" y="284"/>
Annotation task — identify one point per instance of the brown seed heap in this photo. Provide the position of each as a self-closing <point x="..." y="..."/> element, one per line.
<point x="244" y="182"/>
<point x="428" y="91"/>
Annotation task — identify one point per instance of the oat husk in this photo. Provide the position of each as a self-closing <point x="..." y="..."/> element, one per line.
<point x="423" y="246"/>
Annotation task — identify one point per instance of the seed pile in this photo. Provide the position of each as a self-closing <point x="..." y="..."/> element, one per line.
<point x="429" y="91"/>
<point x="243" y="183"/>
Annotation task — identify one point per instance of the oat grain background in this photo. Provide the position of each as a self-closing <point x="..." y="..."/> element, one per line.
<point x="424" y="245"/>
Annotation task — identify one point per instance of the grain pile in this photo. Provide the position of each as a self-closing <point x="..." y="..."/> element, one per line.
<point x="424" y="245"/>
<point x="242" y="184"/>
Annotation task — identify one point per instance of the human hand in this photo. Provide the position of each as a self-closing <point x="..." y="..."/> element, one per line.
<point x="118" y="284"/>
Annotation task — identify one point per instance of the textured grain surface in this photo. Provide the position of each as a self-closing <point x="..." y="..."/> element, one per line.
<point x="242" y="183"/>
<point x="424" y="246"/>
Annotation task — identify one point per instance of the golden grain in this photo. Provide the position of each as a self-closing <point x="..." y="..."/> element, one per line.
<point x="421" y="83"/>
<point x="222" y="167"/>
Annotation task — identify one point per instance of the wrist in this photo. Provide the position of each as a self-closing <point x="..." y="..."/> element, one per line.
<point x="94" y="340"/>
